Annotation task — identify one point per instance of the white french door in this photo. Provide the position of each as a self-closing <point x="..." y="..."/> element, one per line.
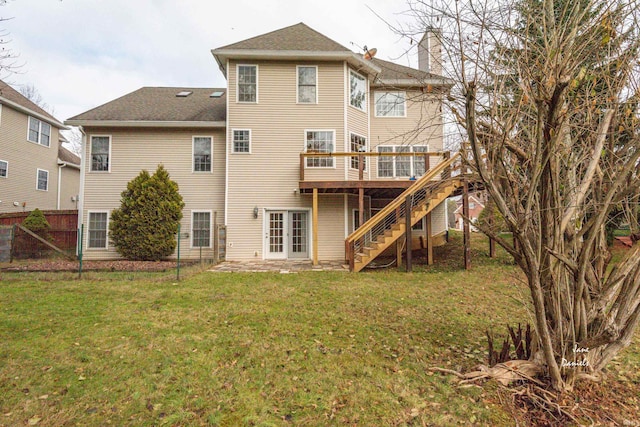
<point x="286" y="234"/>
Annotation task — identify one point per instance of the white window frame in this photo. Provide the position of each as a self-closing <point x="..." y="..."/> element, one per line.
<point x="298" y="67"/>
<point x="194" y="211"/>
<point x="366" y="145"/>
<point x="364" y="101"/>
<point x="106" y="240"/>
<point x="333" y="150"/>
<point x="6" y="169"/>
<point x="41" y="124"/>
<point x="412" y="169"/>
<point x="233" y="141"/>
<point x="238" y="83"/>
<point x="379" y="94"/>
<point x="90" y="159"/>
<point x="38" y="170"/>
<point x="193" y="153"/>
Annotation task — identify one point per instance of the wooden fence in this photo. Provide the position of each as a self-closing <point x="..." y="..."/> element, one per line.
<point x="63" y="232"/>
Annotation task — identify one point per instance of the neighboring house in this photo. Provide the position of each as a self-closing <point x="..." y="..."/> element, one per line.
<point x="30" y="156"/>
<point x="476" y="206"/>
<point x="68" y="179"/>
<point x="243" y="155"/>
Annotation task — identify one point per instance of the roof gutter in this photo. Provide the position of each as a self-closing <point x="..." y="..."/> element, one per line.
<point x="442" y="81"/>
<point x="147" y="123"/>
<point x="222" y="55"/>
<point x="62" y="163"/>
<point x="35" y="114"/>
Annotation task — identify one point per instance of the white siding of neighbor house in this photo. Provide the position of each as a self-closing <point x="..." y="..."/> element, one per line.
<point x="268" y="178"/>
<point x="25" y="158"/>
<point x="133" y="150"/>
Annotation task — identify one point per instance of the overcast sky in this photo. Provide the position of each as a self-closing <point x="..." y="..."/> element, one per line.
<point x="82" y="53"/>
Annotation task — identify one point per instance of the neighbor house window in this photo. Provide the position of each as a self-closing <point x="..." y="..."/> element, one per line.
<point x="358" y="145"/>
<point x="401" y="166"/>
<point x="98" y="226"/>
<point x="201" y="229"/>
<point x="319" y="142"/>
<point x="202" y="146"/>
<point x="39" y="132"/>
<point x="100" y="153"/>
<point x="307" y="84"/>
<point x="42" y="183"/>
<point x="247" y="83"/>
<point x="4" y="169"/>
<point x="390" y="104"/>
<point x="241" y="141"/>
<point x="358" y="91"/>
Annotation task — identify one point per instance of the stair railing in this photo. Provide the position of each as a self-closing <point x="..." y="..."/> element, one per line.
<point x="391" y="214"/>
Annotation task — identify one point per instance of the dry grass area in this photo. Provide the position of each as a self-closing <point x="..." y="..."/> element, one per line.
<point x="267" y="349"/>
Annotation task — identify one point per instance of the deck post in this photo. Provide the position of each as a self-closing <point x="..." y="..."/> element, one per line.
<point x="429" y="237"/>
<point x="407" y="231"/>
<point x="315" y="226"/>
<point x="301" y="167"/>
<point x="466" y="227"/>
<point x="360" y="206"/>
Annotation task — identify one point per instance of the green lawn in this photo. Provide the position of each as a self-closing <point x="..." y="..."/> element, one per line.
<point x="313" y="348"/>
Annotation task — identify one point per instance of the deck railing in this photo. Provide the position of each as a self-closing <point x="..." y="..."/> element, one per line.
<point x="364" y="158"/>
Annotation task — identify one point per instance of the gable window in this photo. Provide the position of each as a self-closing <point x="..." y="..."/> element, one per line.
<point x="247" y="83"/>
<point x="358" y="145"/>
<point x="202" y="146"/>
<point x="401" y="166"/>
<point x="358" y="91"/>
<point x="390" y="104"/>
<point x="307" y="84"/>
<point x="98" y="226"/>
<point x="319" y="142"/>
<point x="4" y="169"/>
<point x="39" y="132"/>
<point x="201" y="229"/>
<point x="42" y="180"/>
<point x="242" y="141"/>
<point x="100" y="151"/>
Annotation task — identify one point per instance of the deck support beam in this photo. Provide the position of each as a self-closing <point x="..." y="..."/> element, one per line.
<point x="408" y="229"/>
<point x="315" y="226"/>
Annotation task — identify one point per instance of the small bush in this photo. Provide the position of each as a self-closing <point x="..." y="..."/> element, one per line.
<point x="144" y="228"/>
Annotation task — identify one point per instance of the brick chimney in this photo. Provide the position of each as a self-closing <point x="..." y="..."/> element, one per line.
<point x="430" y="51"/>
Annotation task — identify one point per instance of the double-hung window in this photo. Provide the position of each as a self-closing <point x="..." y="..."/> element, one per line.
<point x="242" y="141"/>
<point x="39" y="132"/>
<point x="358" y="145"/>
<point x="201" y="229"/>
<point x="100" y="153"/>
<point x="319" y="141"/>
<point x="247" y="83"/>
<point x="98" y="226"/>
<point x="4" y="168"/>
<point x="42" y="180"/>
<point x="390" y="104"/>
<point x="403" y="166"/>
<point x="307" y="84"/>
<point x="202" y="153"/>
<point x="358" y="91"/>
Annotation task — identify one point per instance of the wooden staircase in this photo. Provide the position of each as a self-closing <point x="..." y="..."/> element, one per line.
<point x="387" y="226"/>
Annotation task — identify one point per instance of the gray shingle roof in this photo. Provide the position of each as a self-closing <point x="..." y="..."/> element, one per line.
<point x="16" y="97"/>
<point x="67" y="156"/>
<point x="392" y="71"/>
<point x="296" y="37"/>
<point x="161" y="104"/>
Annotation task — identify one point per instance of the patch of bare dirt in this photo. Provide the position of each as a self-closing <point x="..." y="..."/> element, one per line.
<point x="51" y="265"/>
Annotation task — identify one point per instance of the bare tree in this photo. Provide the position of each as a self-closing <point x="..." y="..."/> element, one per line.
<point x="547" y="98"/>
<point x="8" y="58"/>
<point x="32" y="94"/>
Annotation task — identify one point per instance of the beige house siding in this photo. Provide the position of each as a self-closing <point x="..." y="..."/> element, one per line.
<point x="69" y="187"/>
<point x="267" y="178"/>
<point x="133" y="150"/>
<point x="25" y="158"/>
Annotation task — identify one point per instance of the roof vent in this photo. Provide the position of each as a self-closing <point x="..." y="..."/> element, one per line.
<point x="216" y="94"/>
<point x="184" y="93"/>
